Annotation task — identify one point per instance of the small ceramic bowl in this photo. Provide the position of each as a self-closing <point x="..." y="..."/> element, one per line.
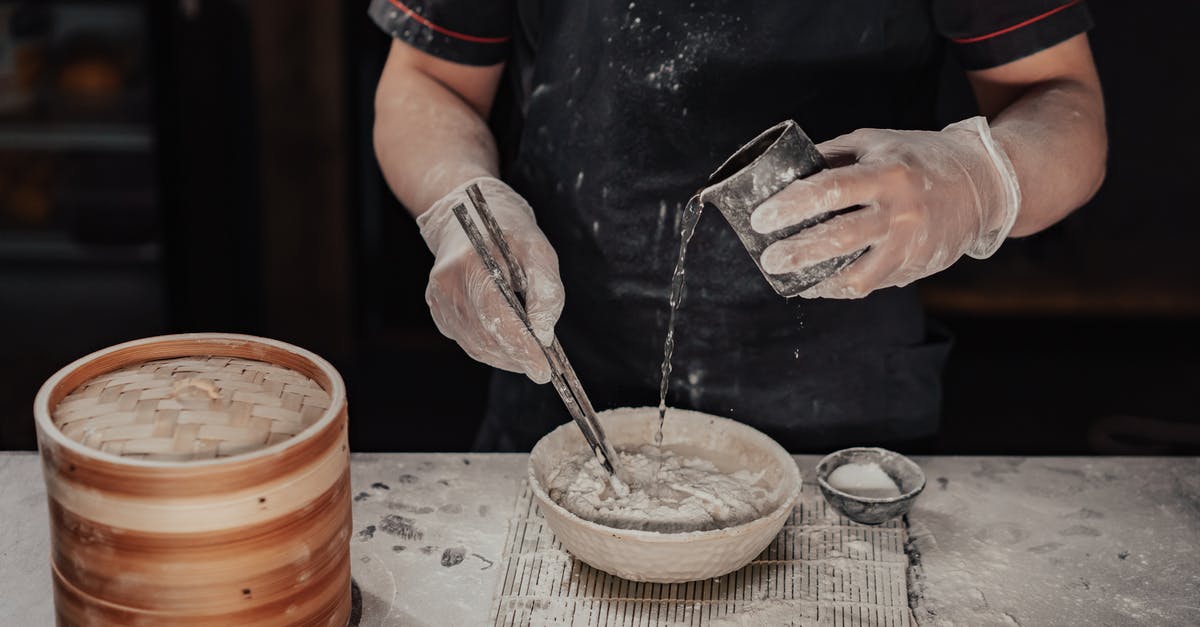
<point x="872" y="511"/>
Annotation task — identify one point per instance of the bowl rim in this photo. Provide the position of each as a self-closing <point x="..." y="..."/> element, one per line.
<point x="42" y="412"/>
<point x="661" y="537"/>
<point x="868" y="500"/>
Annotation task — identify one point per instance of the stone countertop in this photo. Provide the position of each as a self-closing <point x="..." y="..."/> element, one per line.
<point x="1058" y="540"/>
<point x="999" y="540"/>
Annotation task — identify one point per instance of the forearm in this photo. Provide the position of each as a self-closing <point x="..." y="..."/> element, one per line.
<point x="1047" y="112"/>
<point x="428" y="139"/>
<point x="1054" y="135"/>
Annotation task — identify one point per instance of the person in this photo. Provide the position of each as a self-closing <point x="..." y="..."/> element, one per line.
<point x="626" y="106"/>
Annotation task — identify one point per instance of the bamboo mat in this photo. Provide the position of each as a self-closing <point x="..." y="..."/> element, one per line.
<point x="822" y="569"/>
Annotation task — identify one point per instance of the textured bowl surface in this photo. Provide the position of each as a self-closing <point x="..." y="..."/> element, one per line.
<point x="670" y="557"/>
<point x="872" y="511"/>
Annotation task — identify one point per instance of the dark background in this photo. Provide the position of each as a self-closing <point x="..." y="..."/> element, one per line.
<point x="206" y="165"/>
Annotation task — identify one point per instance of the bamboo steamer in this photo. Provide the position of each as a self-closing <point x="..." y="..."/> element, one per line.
<point x="197" y="479"/>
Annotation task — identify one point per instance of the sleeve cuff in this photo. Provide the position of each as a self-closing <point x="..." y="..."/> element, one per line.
<point x="1022" y="39"/>
<point x="409" y="24"/>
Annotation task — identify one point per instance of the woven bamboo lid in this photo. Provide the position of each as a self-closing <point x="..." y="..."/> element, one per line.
<point x="190" y="408"/>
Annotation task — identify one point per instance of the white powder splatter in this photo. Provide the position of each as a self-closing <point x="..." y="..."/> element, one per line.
<point x="692" y="43"/>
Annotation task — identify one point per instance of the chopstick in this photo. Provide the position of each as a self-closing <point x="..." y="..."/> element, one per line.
<point x="514" y="288"/>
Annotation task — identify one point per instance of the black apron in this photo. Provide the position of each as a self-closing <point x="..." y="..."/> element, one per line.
<point x="630" y="105"/>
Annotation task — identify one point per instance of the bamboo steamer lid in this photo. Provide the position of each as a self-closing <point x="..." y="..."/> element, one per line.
<point x="197" y="479"/>
<point x="187" y="408"/>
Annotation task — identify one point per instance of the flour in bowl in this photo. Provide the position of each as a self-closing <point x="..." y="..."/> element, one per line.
<point x="663" y="492"/>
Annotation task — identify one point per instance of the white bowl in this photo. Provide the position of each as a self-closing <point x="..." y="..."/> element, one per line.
<point x="670" y="557"/>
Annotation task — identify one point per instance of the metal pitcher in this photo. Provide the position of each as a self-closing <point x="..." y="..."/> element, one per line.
<point x="758" y="170"/>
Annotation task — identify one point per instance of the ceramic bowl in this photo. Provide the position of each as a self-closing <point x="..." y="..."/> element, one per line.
<point x="670" y="557"/>
<point x="872" y="511"/>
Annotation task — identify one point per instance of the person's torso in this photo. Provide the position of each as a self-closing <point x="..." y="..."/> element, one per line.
<point x="632" y="104"/>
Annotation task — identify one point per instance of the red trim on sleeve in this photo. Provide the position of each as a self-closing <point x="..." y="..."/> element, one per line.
<point x="446" y="31"/>
<point x="1002" y="31"/>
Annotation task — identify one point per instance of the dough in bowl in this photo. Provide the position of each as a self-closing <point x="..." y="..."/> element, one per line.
<point x="663" y="492"/>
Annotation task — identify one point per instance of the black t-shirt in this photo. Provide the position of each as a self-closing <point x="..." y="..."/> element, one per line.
<point x="629" y="105"/>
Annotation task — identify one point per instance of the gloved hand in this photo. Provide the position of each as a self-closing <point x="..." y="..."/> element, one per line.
<point x="928" y="197"/>
<point x="462" y="296"/>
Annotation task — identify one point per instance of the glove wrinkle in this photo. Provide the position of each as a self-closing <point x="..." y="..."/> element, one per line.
<point x="463" y="299"/>
<point x="937" y="195"/>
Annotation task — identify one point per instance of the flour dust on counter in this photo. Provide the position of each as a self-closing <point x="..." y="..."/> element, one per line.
<point x="429" y="529"/>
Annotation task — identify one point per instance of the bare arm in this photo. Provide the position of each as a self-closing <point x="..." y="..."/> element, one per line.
<point x="431" y="138"/>
<point x="1047" y="111"/>
<point x="431" y="131"/>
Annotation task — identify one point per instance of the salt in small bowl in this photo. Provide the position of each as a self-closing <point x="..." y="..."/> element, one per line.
<point x="907" y="475"/>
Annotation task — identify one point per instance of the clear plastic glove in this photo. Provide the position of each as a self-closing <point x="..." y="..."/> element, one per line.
<point x="462" y="296"/>
<point x="928" y="197"/>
